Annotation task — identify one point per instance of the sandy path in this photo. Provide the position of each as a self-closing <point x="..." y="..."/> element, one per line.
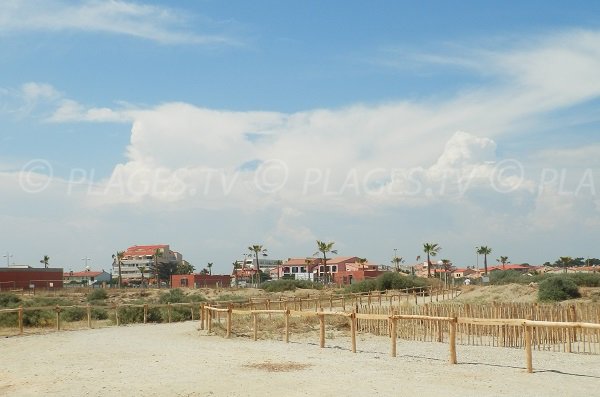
<point x="178" y="360"/>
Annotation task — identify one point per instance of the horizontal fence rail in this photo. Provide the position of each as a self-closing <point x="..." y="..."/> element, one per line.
<point x="526" y="325"/>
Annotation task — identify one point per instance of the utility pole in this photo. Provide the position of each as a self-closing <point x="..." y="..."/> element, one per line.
<point x="8" y="256"/>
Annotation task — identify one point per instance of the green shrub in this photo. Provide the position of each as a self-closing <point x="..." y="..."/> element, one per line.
<point x="398" y="281"/>
<point x="99" y="294"/>
<point x="289" y="285"/>
<point x="9" y="300"/>
<point x="8" y="320"/>
<point x="557" y="288"/>
<point x="174" y="296"/>
<point x="501" y="277"/>
<point x="38" y="318"/>
<point x="387" y="281"/>
<point x="99" y="314"/>
<point x="73" y="314"/>
<point x="585" y="279"/>
<point x="363" y="286"/>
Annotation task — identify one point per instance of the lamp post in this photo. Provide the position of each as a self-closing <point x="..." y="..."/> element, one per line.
<point x="7" y="256"/>
<point x="86" y="259"/>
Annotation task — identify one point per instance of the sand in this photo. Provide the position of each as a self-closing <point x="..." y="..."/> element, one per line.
<point x="178" y="360"/>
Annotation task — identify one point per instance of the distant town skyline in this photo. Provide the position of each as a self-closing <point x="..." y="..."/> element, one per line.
<point x="213" y="126"/>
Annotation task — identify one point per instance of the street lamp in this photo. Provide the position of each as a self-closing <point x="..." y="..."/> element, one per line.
<point x="7" y="256"/>
<point x="86" y="259"/>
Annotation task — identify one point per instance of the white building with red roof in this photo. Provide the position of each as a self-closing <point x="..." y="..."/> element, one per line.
<point x="143" y="257"/>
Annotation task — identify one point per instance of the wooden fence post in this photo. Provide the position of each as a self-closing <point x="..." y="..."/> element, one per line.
<point x="209" y="320"/>
<point x="169" y="312"/>
<point x="145" y="313"/>
<point x="117" y="314"/>
<point x="229" y="310"/>
<point x="57" y="317"/>
<point x="322" y="328"/>
<point x="353" y="330"/>
<point x="89" y="315"/>
<point x="255" y="325"/>
<point x="287" y="325"/>
<point x="201" y="314"/>
<point x="452" y="338"/>
<point x="394" y="322"/>
<point x="20" y="320"/>
<point x="528" y="356"/>
<point x="192" y="310"/>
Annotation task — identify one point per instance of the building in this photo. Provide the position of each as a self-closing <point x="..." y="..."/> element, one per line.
<point x="200" y="280"/>
<point x="30" y="278"/>
<point x="343" y="270"/>
<point x="140" y="258"/>
<point x="87" y="277"/>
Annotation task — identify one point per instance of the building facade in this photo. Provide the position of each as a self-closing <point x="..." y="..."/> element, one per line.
<point x="140" y="258"/>
<point x="30" y="278"/>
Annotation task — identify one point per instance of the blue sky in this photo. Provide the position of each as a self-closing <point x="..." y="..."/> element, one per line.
<point x="214" y="125"/>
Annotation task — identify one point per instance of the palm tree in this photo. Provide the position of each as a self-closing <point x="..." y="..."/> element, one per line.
<point x="278" y="264"/>
<point x="118" y="257"/>
<point x="361" y="262"/>
<point x="447" y="264"/>
<point x="45" y="261"/>
<point x="503" y="260"/>
<point x="142" y="271"/>
<point x="485" y="251"/>
<point x="397" y="261"/>
<point x="431" y="249"/>
<point x="308" y="262"/>
<point x="258" y="249"/>
<point x="209" y="265"/>
<point x="157" y="254"/>
<point x="325" y="248"/>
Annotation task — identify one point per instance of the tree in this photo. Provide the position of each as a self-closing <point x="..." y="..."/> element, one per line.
<point x="157" y="254"/>
<point x="209" y="265"/>
<point x="142" y="271"/>
<point x="447" y="265"/>
<point x="564" y="262"/>
<point x="397" y="261"/>
<point x="278" y="264"/>
<point x="118" y="258"/>
<point x="361" y="262"/>
<point x="45" y="261"/>
<point x="258" y="249"/>
<point x="503" y="260"/>
<point x="485" y="251"/>
<point x="308" y="262"/>
<point x="325" y="248"/>
<point x="184" y="268"/>
<point x="431" y="249"/>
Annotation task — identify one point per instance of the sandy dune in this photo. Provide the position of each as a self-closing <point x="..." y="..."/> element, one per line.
<point x="178" y="360"/>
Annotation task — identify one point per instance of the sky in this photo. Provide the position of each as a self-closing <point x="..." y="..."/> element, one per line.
<point x="383" y="125"/>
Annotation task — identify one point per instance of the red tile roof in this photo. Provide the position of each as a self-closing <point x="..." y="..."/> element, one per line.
<point x="83" y="274"/>
<point x="144" y="250"/>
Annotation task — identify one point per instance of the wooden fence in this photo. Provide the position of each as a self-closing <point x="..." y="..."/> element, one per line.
<point x="527" y="326"/>
<point x="574" y="340"/>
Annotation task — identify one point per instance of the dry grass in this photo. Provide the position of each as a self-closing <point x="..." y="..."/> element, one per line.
<point x="270" y="366"/>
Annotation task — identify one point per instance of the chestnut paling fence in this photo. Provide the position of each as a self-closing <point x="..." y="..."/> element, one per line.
<point x="413" y="314"/>
<point x="435" y="327"/>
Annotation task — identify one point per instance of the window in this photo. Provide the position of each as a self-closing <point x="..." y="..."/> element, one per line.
<point x="294" y="269"/>
<point x="183" y="282"/>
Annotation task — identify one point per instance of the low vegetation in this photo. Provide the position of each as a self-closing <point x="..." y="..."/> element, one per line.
<point x="557" y="289"/>
<point x="289" y="285"/>
<point x="387" y="281"/>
